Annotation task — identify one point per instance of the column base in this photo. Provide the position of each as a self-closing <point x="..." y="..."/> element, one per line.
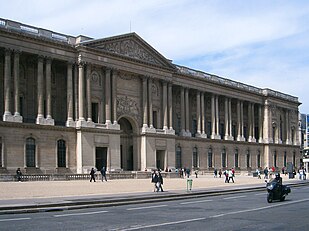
<point x="70" y="123"/>
<point x="169" y="131"/>
<point x="241" y="138"/>
<point x="227" y="137"/>
<point x="148" y="129"/>
<point x="201" y="135"/>
<point x="81" y="123"/>
<point x="261" y="140"/>
<point x="215" y="137"/>
<point x="112" y="126"/>
<point x="49" y="121"/>
<point x="13" y="118"/>
<point x="185" y="133"/>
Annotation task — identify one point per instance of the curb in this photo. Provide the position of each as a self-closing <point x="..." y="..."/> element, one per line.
<point x="53" y="207"/>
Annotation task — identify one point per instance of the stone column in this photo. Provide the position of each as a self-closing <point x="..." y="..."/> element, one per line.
<point x="226" y="118"/>
<point x="114" y="97"/>
<point x="170" y="104"/>
<point x="253" y="124"/>
<point x="40" y="83"/>
<point x="81" y="92"/>
<point x="88" y="87"/>
<point x="187" y="112"/>
<point x="165" y="125"/>
<point x="49" y="119"/>
<point x="70" y="122"/>
<point x="217" y="117"/>
<point x="249" y="122"/>
<point x="17" y="116"/>
<point x="213" y="117"/>
<point x="150" y="103"/>
<point x="76" y="91"/>
<point x="7" y="86"/>
<point x="287" y="127"/>
<point x="145" y="106"/>
<point x="260" y="125"/>
<point x="230" y="120"/>
<point x="238" y="121"/>
<point x="182" y="101"/>
<point x="198" y="112"/>
<point x="267" y="126"/>
<point x="108" y="101"/>
<point x="203" y="113"/>
<point x="242" y="120"/>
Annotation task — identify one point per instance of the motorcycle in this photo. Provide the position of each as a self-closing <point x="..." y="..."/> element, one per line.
<point x="276" y="191"/>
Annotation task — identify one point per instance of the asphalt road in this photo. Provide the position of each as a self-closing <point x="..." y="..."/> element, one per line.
<point x="241" y="211"/>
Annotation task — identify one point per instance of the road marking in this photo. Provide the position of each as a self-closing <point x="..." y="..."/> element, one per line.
<point x="194" y="202"/>
<point x="79" y="214"/>
<point x="227" y="198"/>
<point x="258" y="194"/>
<point x="15" y="219"/>
<point x="163" y="224"/>
<point x="261" y="208"/>
<point x="148" y="207"/>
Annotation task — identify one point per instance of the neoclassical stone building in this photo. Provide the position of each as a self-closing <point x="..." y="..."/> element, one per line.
<point x="71" y="103"/>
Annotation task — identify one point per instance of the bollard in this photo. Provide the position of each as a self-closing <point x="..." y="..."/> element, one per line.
<point x="189" y="184"/>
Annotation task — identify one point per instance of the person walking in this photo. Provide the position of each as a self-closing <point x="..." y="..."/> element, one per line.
<point x="220" y="173"/>
<point x="160" y="181"/>
<point x="154" y="180"/>
<point x="18" y="174"/>
<point x="215" y="173"/>
<point x="92" y="176"/>
<point x="231" y="176"/>
<point x="103" y="173"/>
<point x="265" y="173"/>
<point x="226" y="174"/>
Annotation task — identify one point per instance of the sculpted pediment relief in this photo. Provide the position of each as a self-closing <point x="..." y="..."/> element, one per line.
<point x="132" y="46"/>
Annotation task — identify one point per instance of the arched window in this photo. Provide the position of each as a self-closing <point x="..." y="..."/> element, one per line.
<point x="210" y="158"/>
<point x="223" y="158"/>
<point x="195" y="158"/>
<point x="61" y="153"/>
<point x="30" y="152"/>
<point x="248" y="159"/>
<point x="236" y="158"/>
<point x="178" y="157"/>
<point x="284" y="159"/>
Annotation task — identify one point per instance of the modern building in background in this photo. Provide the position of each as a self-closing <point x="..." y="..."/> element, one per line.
<point x="72" y="103"/>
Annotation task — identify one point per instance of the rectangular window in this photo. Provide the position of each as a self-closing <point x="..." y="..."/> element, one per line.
<point x="284" y="160"/>
<point x="195" y="159"/>
<point x="236" y="160"/>
<point x="95" y="112"/>
<point x="222" y="130"/>
<point x="208" y="131"/>
<point x="194" y="127"/>
<point x="223" y="159"/>
<point x="258" y="160"/>
<point x="155" y="119"/>
<point x="234" y="131"/>
<point x="210" y="158"/>
<point x="248" y="159"/>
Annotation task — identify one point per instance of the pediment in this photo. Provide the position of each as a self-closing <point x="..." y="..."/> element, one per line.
<point x="132" y="46"/>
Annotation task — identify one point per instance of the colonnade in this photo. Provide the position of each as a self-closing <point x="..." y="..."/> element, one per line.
<point x="82" y="97"/>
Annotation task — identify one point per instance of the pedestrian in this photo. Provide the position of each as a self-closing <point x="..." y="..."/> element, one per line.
<point x="265" y="173"/>
<point x="160" y="181"/>
<point x="92" y="176"/>
<point x="188" y="172"/>
<point x="220" y="173"/>
<point x="196" y="173"/>
<point x="233" y="172"/>
<point x="103" y="173"/>
<point x="258" y="173"/>
<point x="231" y="176"/>
<point x="154" y="180"/>
<point x="226" y="174"/>
<point x="18" y="174"/>
<point x="215" y="173"/>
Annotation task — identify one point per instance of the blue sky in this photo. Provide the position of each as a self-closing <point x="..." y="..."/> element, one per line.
<point x="263" y="43"/>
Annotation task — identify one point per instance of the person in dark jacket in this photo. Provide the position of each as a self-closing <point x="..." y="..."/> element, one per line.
<point x="103" y="173"/>
<point x="18" y="174"/>
<point x="160" y="181"/>
<point x="92" y="176"/>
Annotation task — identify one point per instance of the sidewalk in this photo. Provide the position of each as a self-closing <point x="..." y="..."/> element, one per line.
<point x="39" y="194"/>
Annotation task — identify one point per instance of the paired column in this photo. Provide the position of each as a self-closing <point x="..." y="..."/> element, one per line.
<point x="187" y="111"/>
<point x="170" y="104"/>
<point x="7" y="116"/>
<point x="182" y="102"/>
<point x="81" y="92"/>
<point x="70" y="122"/>
<point x="150" y="103"/>
<point x="165" y="125"/>
<point x="251" y="123"/>
<point x="240" y="121"/>
<point x="260" y="125"/>
<point x="145" y="103"/>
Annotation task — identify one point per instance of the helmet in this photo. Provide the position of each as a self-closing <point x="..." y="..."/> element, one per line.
<point x="277" y="175"/>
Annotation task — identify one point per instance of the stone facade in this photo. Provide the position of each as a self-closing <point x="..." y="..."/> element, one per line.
<point x="72" y="103"/>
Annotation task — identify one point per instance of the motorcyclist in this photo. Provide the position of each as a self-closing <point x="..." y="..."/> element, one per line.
<point x="278" y="178"/>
